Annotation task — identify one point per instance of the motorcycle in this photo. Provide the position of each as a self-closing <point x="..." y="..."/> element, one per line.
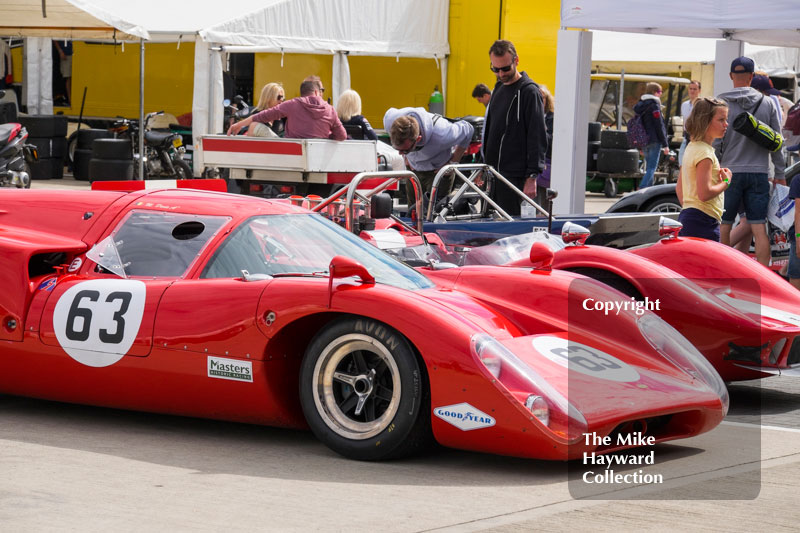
<point x="163" y="150"/>
<point x="236" y="111"/>
<point x="15" y="155"/>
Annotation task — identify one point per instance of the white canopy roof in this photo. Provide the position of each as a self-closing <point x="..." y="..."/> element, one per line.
<point x="731" y="22"/>
<point x="416" y="28"/>
<point x="771" y="23"/>
<point x="75" y="19"/>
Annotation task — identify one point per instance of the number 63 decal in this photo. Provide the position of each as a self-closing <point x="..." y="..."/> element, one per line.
<point x="584" y="359"/>
<point x="97" y="321"/>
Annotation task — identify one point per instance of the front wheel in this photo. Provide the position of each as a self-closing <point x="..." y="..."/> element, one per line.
<point x="363" y="392"/>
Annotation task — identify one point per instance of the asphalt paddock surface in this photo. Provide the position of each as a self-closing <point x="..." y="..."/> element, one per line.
<point x="71" y="467"/>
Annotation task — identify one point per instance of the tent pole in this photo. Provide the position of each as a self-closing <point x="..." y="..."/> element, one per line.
<point x="141" y="109"/>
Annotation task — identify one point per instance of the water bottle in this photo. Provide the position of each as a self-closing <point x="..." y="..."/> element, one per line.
<point x="526" y="210"/>
<point x="436" y="102"/>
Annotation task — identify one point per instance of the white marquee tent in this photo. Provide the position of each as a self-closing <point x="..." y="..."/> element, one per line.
<point x="732" y="22"/>
<point x="396" y="28"/>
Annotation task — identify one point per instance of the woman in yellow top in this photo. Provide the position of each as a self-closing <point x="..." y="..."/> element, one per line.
<point x="701" y="182"/>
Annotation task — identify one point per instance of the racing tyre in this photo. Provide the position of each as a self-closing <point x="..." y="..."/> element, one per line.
<point x="594" y="131"/>
<point x="182" y="169"/>
<point x="617" y="139"/>
<point x="48" y="147"/>
<point x="663" y="204"/>
<point x="591" y="155"/>
<point x="85" y="138"/>
<point x="363" y="392"/>
<point x="110" y="169"/>
<point x="51" y="168"/>
<point x="610" y="188"/>
<point x="44" y="125"/>
<point x="112" y="149"/>
<point x="616" y="161"/>
<point x="80" y="165"/>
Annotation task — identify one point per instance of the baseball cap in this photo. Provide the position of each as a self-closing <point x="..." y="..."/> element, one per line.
<point x="774" y="92"/>
<point x="761" y="83"/>
<point x="742" y="64"/>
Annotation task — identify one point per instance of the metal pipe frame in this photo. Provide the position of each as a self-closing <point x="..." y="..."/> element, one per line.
<point x="477" y="170"/>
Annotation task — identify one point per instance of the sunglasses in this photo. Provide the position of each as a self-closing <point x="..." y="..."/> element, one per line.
<point x="412" y="148"/>
<point x="280" y="97"/>
<point x="502" y="69"/>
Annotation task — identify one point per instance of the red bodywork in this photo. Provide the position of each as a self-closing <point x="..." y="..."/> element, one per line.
<point x="268" y="323"/>
<point x="739" y="314"/>
<point x="710" y="293"/>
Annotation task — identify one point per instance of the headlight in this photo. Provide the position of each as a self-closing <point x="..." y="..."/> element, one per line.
<point x="680" y="352"/>
<point x="542" y="400"/>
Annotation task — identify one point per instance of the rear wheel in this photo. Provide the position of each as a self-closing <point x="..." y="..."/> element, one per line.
<point x="663" y="204"/>
<point x="363" y="392"/>
<point x="182" y="169"/>
<point x="25" y="182"/>
<point x="609" y="278"/>
<point x="610" y="188"/>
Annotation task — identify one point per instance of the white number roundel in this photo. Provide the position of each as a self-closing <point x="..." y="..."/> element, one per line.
<point x="584" y="359"/>
<point x="97" y="321"/>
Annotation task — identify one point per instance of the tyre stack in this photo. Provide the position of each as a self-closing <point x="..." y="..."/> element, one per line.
<point x="49" y="134"/>
<point x="614" y="155"/>
<point x="594" y="146"/>
<point x="83" y="151"/>
<point x="112" y="160"/>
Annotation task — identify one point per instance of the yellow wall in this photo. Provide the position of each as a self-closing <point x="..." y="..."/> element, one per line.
<point x="533" y="28"/>
<point x="112" y="79"/>
<point x="474" y="26"/>
<point x="532" y="25"/>
<point x="382" y="82"/>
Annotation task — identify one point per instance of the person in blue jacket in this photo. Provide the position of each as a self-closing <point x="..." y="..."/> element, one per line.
<point x="428" y="141"/>
<point x="649" y="108"/>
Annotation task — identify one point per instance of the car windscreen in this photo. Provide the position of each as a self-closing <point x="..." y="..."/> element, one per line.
<point x="276" y="245"/>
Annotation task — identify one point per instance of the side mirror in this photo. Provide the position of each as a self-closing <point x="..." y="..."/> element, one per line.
<point x="574" y="233"/>
<point x="541" y="256"/>
<point x="669" y="228"/>
<point x="344" y="267"/>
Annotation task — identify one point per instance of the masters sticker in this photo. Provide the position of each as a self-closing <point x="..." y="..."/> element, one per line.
<point x="232" y="369"/>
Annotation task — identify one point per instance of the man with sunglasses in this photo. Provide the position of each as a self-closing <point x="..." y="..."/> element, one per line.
<point x="428" y="142"/>
<point x="515" y="136"/>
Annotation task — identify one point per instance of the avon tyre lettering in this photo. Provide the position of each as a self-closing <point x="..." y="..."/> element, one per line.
<point x="97" y="321"/>
<point x="584" y="359"/>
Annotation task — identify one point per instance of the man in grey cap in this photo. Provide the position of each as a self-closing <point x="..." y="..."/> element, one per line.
<point x="748" y="161"/>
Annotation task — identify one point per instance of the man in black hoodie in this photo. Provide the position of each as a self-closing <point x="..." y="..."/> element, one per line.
<point x="515" y="137"/>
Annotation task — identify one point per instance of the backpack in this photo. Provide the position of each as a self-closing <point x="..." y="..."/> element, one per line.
<point x="793" y="119"/>
<point x="637" y="134"/>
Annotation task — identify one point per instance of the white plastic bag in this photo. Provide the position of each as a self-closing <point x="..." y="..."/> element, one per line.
<point x="780" y="211"/>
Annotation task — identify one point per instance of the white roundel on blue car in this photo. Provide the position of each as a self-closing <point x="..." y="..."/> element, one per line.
<point x="97" y="321"/>
<point x="581" y="358"/>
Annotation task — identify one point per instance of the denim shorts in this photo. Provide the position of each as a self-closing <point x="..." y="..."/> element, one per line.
<point x="750" y="189"/>
<point x="698" y="224"/>
<point x="794" y="261"/>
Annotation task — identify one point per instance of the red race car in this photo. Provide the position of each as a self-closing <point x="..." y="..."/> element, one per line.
<point x="739" y="314"/>
<point x="229" y="307"/>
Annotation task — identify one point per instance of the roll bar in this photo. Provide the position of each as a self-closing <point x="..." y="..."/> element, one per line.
<point x="476" y="171"/>
<point x="391" y="177"/>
